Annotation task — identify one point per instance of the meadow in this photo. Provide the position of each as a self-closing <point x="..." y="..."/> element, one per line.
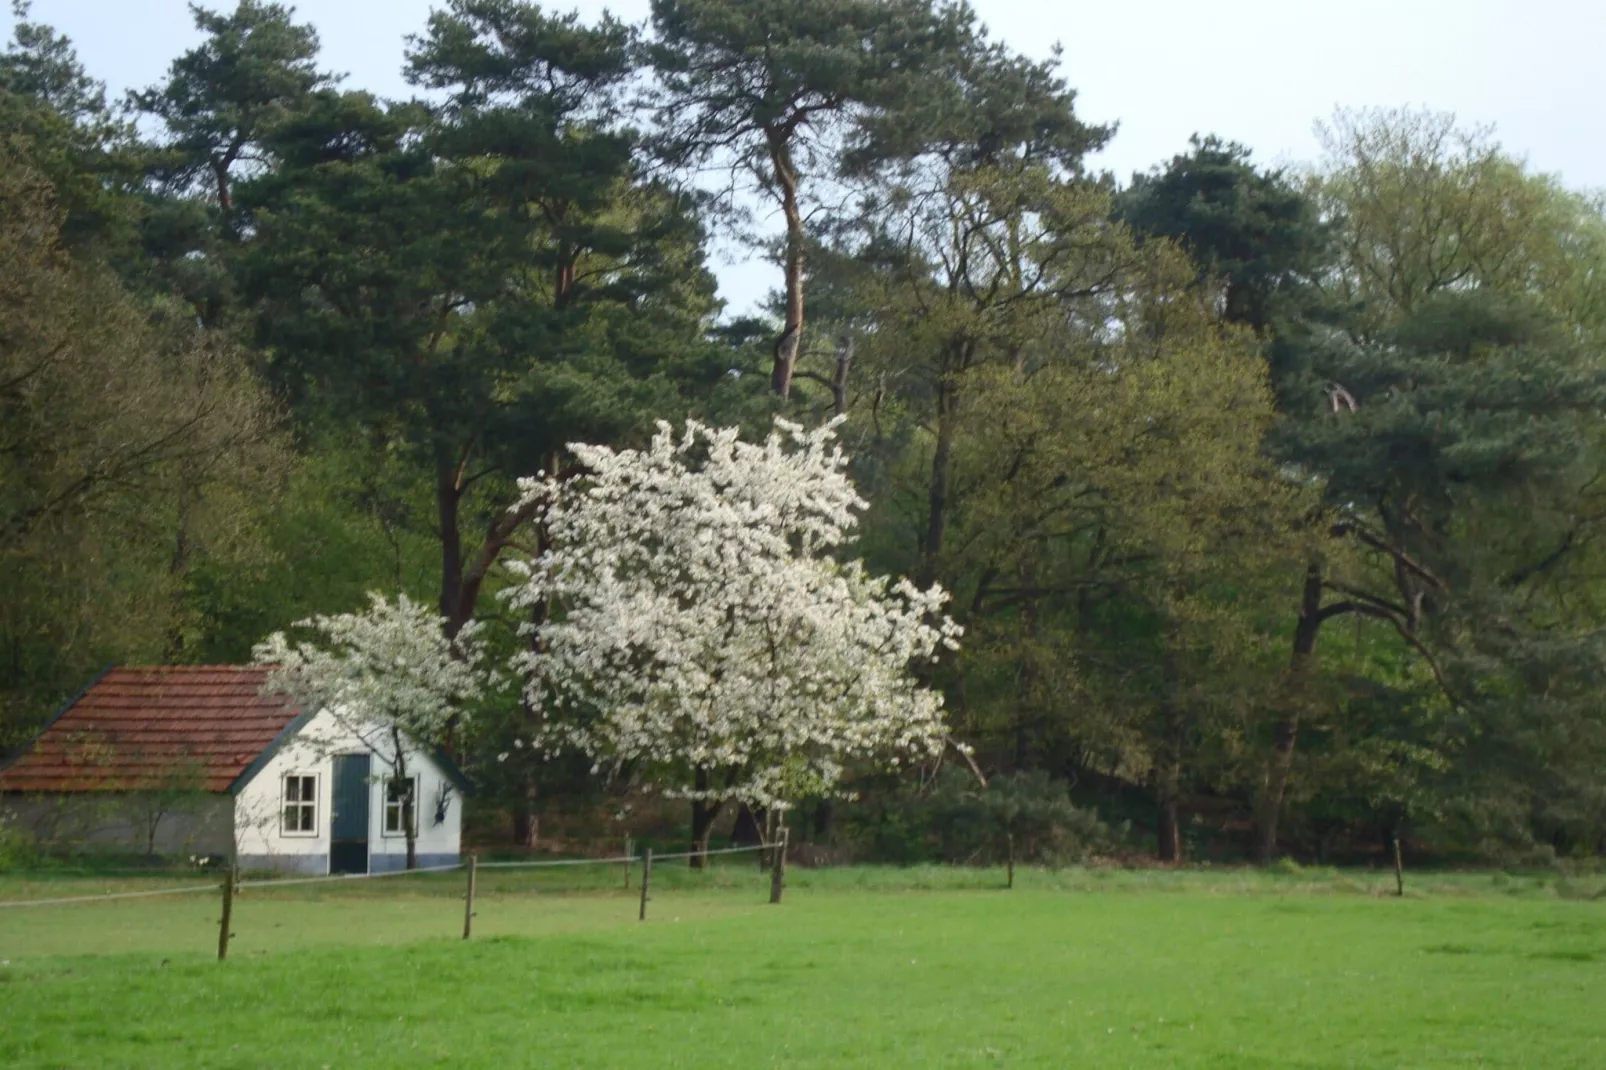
<point x="862" y="967"/>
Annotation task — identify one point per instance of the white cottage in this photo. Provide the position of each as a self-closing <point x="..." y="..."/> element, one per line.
<point x="194" y="760"/>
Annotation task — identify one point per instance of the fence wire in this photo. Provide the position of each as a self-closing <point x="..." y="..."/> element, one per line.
<point x="110" y="895"/>
<point x="620" y="859"/>
<point x="346" y="878"/>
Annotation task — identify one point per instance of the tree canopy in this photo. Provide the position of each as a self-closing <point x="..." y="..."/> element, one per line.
<point x="1267" y="498"/>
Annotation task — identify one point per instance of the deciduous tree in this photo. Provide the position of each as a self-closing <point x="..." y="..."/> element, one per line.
<point x="391" y="670"/>
<point x="705" y="627"/>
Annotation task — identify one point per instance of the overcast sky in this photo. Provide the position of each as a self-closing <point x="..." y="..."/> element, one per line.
<point x="1256" y="71"/>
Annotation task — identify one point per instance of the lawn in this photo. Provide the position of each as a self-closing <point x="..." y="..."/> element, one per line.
<point x="864" y="967"/>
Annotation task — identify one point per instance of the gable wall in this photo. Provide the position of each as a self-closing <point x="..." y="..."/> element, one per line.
<point x="261" y="842"/>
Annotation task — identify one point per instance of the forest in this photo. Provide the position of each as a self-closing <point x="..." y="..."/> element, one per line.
<point x="1269" y="498"/>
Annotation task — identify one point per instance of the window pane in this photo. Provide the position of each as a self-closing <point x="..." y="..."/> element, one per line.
<point x="397" y="791"/>
<point x="292" y="789"/>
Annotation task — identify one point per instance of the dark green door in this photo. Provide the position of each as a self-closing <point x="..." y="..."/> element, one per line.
<point x="348" y="815"/>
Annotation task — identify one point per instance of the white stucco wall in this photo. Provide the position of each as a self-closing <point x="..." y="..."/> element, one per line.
<point x="261" y="842"/>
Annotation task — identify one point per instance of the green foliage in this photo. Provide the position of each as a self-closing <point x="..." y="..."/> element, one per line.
<point x="17" y="851"/>
<point x="734" y="78"/>
<point x="1423" y="204"/>
<point x="1473" y="410"/>
<point x="222" y="101"/>
<point x="51" y="109"/>
<point x="1265" y="488"/>
<point x="477" y="285"/>
<point x="343" y="523"/>
<point x="136" y="450"/>
<point x="956" y="820"/>
<point x="1254" y="233"/>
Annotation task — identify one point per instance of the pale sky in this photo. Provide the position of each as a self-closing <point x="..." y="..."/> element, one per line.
<point x="1255" y="71"/>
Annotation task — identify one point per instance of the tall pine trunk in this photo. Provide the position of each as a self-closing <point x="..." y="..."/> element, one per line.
<point x="448" y="502"/>
<point x="938" y="488"/>
<point x="1286" y="735"/>
<point x="791" y="340"/>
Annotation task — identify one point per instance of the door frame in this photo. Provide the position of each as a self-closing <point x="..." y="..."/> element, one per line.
<point x="368" y="806"/>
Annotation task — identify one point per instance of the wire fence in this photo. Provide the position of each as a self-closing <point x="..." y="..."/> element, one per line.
<point x="106" y="896"/>
<point x="773" y="858"/>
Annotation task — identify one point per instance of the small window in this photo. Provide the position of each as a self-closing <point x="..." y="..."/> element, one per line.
<point x="300" y="805"/>
<point x="398" y="791"/>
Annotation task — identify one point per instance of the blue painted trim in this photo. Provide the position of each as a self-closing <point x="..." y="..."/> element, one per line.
<point x="261" y="760"/>
<point x="453" y="773"/>
<point x="15" y="757"/>
<point x="441" y="759"/>
<point x="393" y="863"/>
<point x="301" y="865"/>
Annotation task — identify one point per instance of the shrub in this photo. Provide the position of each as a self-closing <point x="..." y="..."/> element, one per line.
<point x="16" y="847"/>
<point x="955" y="820"/>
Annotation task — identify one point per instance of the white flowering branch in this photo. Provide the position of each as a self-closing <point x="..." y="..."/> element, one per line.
<point x="701" y="619"/>
<point x="391" y="669"/>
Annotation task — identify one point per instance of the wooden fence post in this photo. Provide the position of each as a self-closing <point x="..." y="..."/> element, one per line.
<point x="627" y="863"/>
<point x="1399" y="870"/>
<point x="228" y="913"/>
<point x="1009" y="844"/>
<point x="646" y="877"/>
<point x="778" y="866"/>
<point x="468" y="900"/>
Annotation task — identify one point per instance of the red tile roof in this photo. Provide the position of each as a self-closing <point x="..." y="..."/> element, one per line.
<point x="141" y="728"/>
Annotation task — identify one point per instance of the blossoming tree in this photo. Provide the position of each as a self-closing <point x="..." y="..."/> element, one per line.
<point x="697" y="618"/>
<point x="392" y="670"/>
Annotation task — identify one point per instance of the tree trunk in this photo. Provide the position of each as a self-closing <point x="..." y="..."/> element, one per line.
<point x="1168" y="831"/>
<point x="225" y="199"/>
<point x="153" y="822"/>
<point x="448" y="499"/>
<point x="179" y="568"/>
<point x="787" y="346"/>
<point x="1026" y="670"/>
<point x="941" y="477"/>
<point x="749" y="827"/>
<point x="1281" y="763"/>
<point x="563" y="284"/>
<point x="526" y="825"/>
<point x="464" y="591"/>
<point x="839" y="381"/>
<point x="824" y="821"/>
<point x="1168" y="763"/>
<point x="404" y="790"/>
<point x="703" y="815"/>
<point x="410" y="823"/>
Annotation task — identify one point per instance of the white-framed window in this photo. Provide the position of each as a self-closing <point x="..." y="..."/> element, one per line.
<point x="299" y="814"/>
<point x="400" y="792"/>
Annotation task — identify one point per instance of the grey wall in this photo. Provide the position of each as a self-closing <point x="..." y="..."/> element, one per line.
<point x="299" y="865"/>
<point x="187" y="824"/>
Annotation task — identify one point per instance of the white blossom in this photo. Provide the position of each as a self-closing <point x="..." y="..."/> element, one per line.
<point x="703" y="617"/>
<point x="391" y="666"/>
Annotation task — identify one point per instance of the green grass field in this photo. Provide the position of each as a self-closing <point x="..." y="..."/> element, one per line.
<point x="860" y="968"/>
